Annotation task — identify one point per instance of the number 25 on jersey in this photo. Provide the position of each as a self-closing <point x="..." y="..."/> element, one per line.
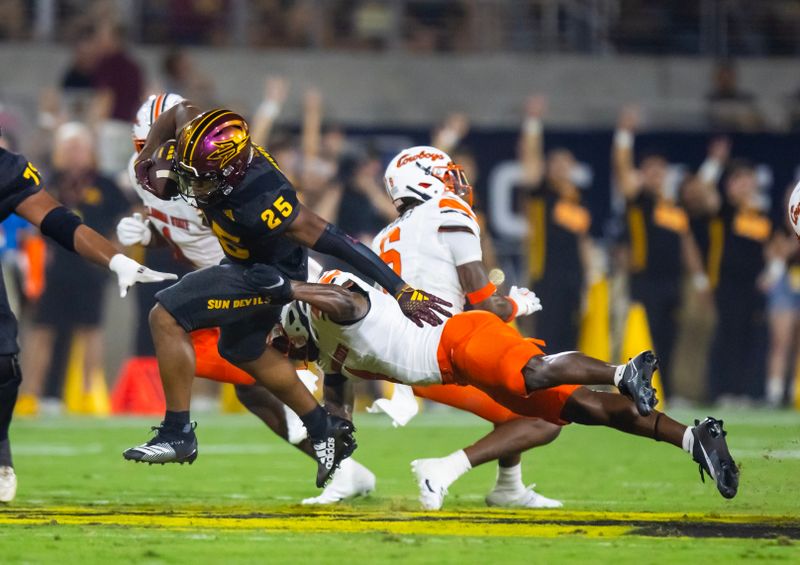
<point x="270" y="215"/>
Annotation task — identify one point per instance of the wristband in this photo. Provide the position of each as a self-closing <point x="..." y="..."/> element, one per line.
<point x="775" y="269"/>
<point x="623" y="139"/>
<point x="700" y="282"/>
<point x="269" y="109"/>
<point x="532" y="126"/>
<point x="481" y="294"/>
<point x="514" y="309"/>
<point x="710" y="171"/>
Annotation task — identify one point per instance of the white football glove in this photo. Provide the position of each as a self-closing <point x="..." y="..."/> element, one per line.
<point x="129" y="272"/>
<point x="401" y="408"/>
<point x="133" y="230"/>
<point x="526" y="300"/>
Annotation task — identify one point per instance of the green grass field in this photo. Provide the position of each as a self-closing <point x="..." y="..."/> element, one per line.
<point x="627" y="500"/>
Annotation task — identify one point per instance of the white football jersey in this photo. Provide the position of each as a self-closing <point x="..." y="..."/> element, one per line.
<point x="383" y="345"/>
<point x="181" y="225"/>
<point x="412" y="247"/>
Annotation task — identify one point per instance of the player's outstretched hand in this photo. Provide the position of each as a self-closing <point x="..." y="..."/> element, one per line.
<point x="421" y="307"/>
<point x="129" y="272"/>
<point x="133" y="230"/>
<point x="269" y="283"/>
<point x="526" y="300"/>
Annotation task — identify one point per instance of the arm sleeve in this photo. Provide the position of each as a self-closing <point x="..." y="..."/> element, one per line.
<point x="337" y="243"/>
<point x="464" y="247"/>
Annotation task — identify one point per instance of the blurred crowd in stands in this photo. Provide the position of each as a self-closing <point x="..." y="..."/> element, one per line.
<point x="691" y="27"/>
<point x="717" y="275"/>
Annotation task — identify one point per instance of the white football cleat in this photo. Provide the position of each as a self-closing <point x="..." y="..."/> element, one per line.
<point x="8" y="484"/>
<point x="352" y="479"/>
<point x="432" y="482"/>
<point x="521" y="498"/>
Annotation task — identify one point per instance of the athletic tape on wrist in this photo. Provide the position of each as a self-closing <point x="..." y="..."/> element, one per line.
<point x="481" y="294"/>
<point x="514" y="308"/>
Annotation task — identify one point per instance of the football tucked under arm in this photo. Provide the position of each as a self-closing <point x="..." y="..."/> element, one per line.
<point x="156" y="174"/>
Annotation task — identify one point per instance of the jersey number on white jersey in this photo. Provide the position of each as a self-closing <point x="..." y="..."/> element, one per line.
<point x="388" y="254"/>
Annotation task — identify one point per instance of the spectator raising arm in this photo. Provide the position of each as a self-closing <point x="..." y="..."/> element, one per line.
<point x="711" y="171"/>
<point x="312" y="129"/>
<point x="276" y="90"/>
<point x="318" y="185"/>
<point x="451" y="133"/>
<point x="531" y="150"/>
<point x="626" y="177"/>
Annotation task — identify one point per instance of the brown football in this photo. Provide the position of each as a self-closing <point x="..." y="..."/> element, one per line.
<point x="162" y="176"/>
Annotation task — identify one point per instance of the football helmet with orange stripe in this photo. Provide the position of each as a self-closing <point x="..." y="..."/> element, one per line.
<point x="794" y="209"/>
<point x="212" y="155"/>
<point x="422" y="172"/>
<point x="149" y="111"/>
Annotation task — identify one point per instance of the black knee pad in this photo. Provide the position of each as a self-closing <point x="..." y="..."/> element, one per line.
<point x="10" y="373"/>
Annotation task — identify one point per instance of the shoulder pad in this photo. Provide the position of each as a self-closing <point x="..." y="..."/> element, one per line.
<point x="454" y="212"/>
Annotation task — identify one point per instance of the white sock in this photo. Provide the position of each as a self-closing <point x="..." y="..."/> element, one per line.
<point x="618" y="374"/>
<point x="509" y="478"/>
<point x="775" y="390"/>
<point x="456" y="465"/>
<point x="688" y="441"/>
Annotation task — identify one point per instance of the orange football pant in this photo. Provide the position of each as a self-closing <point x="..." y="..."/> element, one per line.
<point x="209" y="363"/>
<point x="477" y="348"/>
<point x="468" y="398"/>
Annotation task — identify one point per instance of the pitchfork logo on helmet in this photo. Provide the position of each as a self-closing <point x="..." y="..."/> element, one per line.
<point x="228" y="149"/>
<point x="422" y="172"/>
<point x="212" y="156"/>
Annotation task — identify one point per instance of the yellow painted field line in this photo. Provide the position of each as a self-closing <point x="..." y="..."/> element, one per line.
<point x="488" y="523"/>
<point x="295" y="512"/>
<point x="320" y="524"/>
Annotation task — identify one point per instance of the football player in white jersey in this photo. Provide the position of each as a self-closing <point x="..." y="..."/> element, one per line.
<point x="436" y="242"/>
<point x="182" y="226"/>
<point x="360" y="332"/>
<point x="175" y="221"/>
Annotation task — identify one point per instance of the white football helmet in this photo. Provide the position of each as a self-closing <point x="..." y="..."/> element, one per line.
<point x="297" y="324"/>
<point x="148" y="112"/>
<point x="794" y="209"/>
<point x="295" y="320"/>
<point x="422" y="172"/>
<point x="314" y="270"/>
<point x="411" y="173"/>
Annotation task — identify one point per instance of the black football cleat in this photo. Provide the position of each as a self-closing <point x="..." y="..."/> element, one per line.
<point x="711" y="452"/>
<point x="169" y="445"/>
<point x="637" y="382"/>
<point x="337" y="445"/>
